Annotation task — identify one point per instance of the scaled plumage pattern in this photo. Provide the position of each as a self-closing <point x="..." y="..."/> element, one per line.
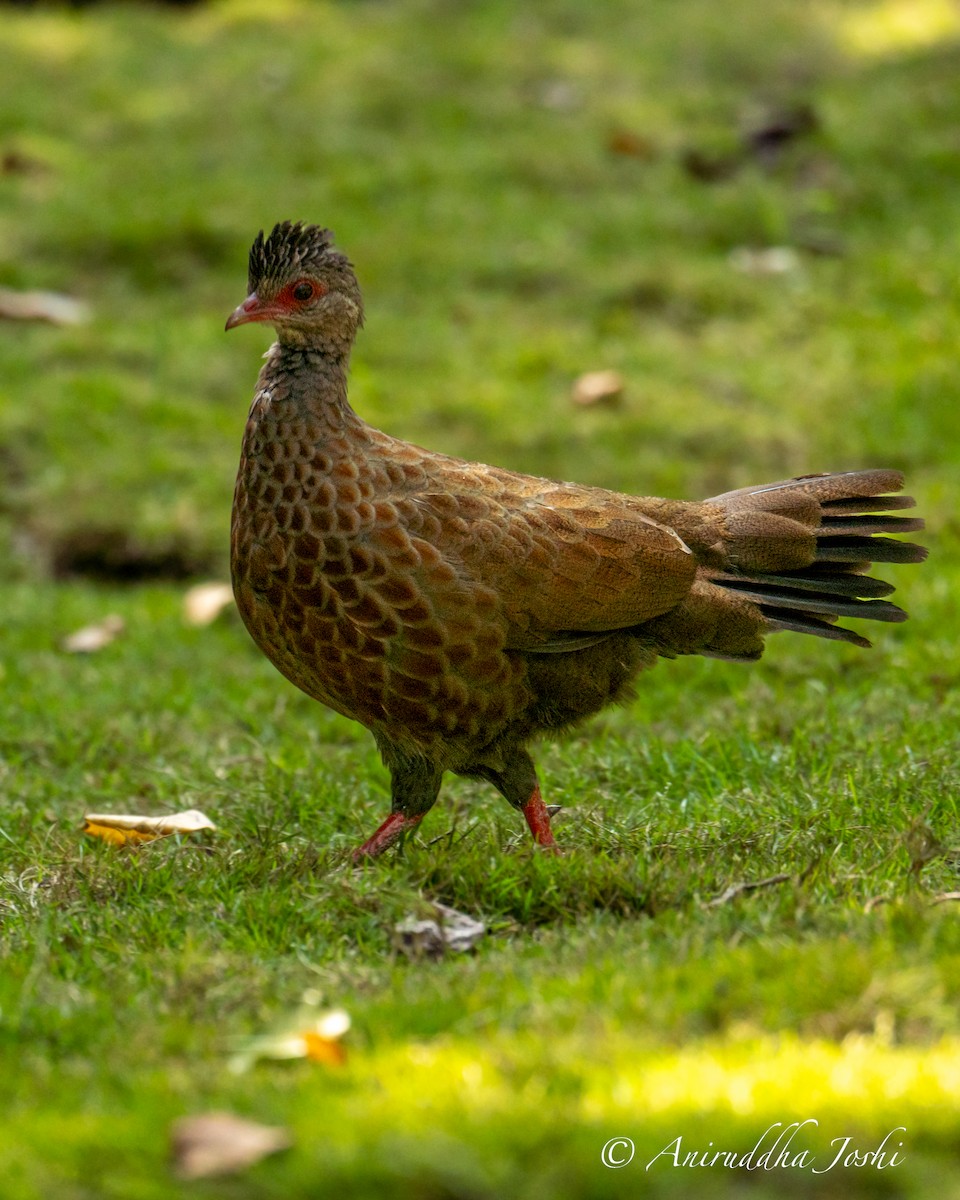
<point x="458" y="610"/>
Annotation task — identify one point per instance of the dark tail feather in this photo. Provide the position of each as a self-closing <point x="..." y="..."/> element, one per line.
<point x="852" y="516"/>
<point x="812" y="580"/>
<point x="849" y="525"/>
<point x="855" y="525"/>
<point x="867" y="504"/>
<point x="834" y="604"/>
<point x="867" y="550"/>
<point x="782" y="619"/>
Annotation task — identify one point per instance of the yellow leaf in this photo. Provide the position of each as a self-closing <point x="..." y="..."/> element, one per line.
<point x="305" y="1036"/>
<point x="324" y="1050"/>
<point x="122" y="829"/>
<point x="117" y="837"/>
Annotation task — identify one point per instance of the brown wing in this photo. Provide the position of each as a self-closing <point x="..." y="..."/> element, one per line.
<point x="564" y="560"/>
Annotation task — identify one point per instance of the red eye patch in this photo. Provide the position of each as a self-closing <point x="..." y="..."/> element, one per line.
<point x="301" y="291"/>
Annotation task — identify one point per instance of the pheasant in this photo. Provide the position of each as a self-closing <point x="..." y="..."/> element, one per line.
<point x="458" y="610"/>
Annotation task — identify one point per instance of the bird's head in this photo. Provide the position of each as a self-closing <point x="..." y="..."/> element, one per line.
<point x="302" y="286"/>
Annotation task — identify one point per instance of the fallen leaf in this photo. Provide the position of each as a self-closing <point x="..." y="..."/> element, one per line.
<point x="204" y="602"/>
<point x="306" y="1036"/>
<point x="326" y="1050"/>
<point x="769" y="260"/>
<point x="92" y="638"/>
<point x="598" y="387"/>
<point x="116" y="837"/>
<point x="419" y="938"/>
<point x="432" y="938"/>
<point x="630" y="144"/>
<point x="560" y="95"/>
<point x="460" y="931"/>
<point x="43" y="306"/>
<point x="121" y="829"/>
<point x="219" y="1143"/>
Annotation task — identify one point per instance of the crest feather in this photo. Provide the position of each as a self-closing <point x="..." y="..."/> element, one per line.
<point x="290" y="244"/>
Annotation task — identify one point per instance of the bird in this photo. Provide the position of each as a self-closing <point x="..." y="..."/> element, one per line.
<point x="460" y="610"/>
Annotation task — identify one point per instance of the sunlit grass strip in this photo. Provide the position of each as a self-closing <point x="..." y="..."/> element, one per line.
<point x="777" y="1077"/>
<point x="890" y="26"/>
<point x="618" y="1081"/>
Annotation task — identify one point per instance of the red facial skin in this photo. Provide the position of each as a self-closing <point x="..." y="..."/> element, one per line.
<point x="283" y="304"/>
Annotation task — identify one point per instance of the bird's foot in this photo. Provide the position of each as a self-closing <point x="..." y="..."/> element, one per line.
<point x="538" y="818"/>
<point x="389" y="833"/>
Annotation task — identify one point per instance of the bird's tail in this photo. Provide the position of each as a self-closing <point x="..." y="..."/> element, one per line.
<point x="794" y="556"/>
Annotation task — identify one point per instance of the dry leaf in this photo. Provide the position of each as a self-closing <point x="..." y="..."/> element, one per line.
<point x="205" y="602"/>
<point x="598" y="387"/>
<point x="560" y="95"/>
<point x="419" y="938"/>
<point x="43" y="306"/>
<point x="630" y="144"/>
<point x="307" y="1036"/>
<point x="121" y="829"/>
<point x="450" y="930"/>
<point x="326" y="1050"/>
<point x="92" y="638"/>
<point x="219" y="1143"/>
<point x="116" y="837"/>
<point x="771" y="260"/>
<point x="460" y="931"/>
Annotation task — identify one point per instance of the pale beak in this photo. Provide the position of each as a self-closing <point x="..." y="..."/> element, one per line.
<point x="250" y="310"/>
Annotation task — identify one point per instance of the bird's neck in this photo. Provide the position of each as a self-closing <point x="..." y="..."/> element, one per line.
<point x="298" y="382"/>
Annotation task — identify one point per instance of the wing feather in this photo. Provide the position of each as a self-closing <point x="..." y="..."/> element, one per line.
<point x="563" y="560"/>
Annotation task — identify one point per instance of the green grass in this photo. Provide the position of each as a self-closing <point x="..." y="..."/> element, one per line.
<point x="462" y="154"/>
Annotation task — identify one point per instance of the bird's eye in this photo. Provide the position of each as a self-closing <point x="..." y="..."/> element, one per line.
<point x="303" y="291"/>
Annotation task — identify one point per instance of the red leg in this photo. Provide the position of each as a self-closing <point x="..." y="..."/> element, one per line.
<point x="392" y="829"/>
<point x="414" y="784"/>
<point x="538" y="818"/>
